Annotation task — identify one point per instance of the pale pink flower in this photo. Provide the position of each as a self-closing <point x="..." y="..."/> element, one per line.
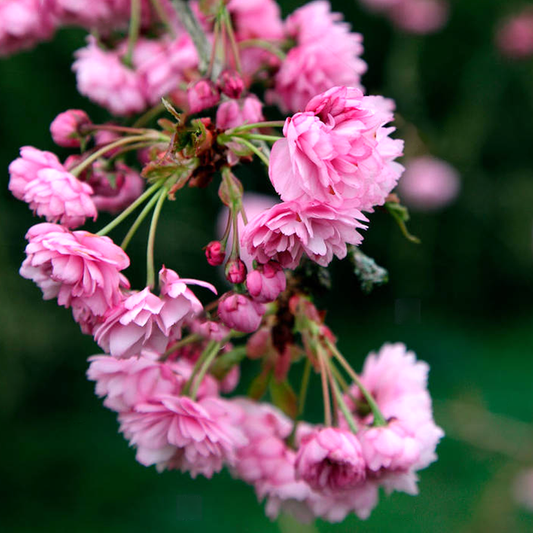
<point x="65" y="128"/>
<point x="327" y="54"/>
<point x="266" y="282"/>
<point x="428" y="184"/>
<point x="256" y="19"/>
<point x="202" y="95"/>
<point x="420" y="16"/>
<point x="233" y="113"/>
<point x="522" y="489"/>
<point x="23" y="23"/>
<point x="515" y="35"/>
<point x="338" y="151"/>
<point x="239" y="312"/>
<point x="117" y="189"/>
<point x="59" y="196"/>
<point x="102" y="76"/>
<point x="179" y="433"/>
<point x="75" y="267"/>
<point x="288" y="230"/>
<point x="26" y="168"/>
<point x="330" y="461"/>
<point x="128" y="382"/>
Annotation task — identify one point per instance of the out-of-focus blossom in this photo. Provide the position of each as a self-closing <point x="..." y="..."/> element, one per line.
<point x="256" y="19"/>
<point x="428" y="184"/>
<point x="420" y="16"/>
<point x="233" y="113"/>
<point x="65" y="128"/>
<point x="515" y="35"/>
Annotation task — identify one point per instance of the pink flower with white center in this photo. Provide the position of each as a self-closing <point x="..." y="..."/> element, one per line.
<point x="330" y="461"/>
<point x="26" y="168"/>
<point x="428" y="184"/>
<point x="389" y="448"/>
<point x="420" y="16"/>
<point x="327" y="54"/>
<point x="102" y="77"/>
<point x="115" y="190"/>
<point x="515" y="35"/>
<point x="256" y="19"/>
<point x="59" y="196"/>
<point x="23" y="23"/>
<point x="202" y="95"/>
<point x="338" y="152"/>
<point x="126" y="383"/>
<point x="288" y="230"/>
<point x="75" y="267"/>
<point x="233" y="113"/>
<point x="239" y="312"/>
<point x="266" y="282"/>
<point x="65" y="128"/>
<point x="179" y="433"/>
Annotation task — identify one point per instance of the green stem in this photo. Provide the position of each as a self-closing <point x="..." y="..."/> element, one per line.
<point x="120" y="142"/>
<point x="142" y="215"/>
<point x="149" y="115"/>
<point x="163" y="16"/>
<point x="261" y="137"/>
<point x="379" y="419"/>
<point x="258" y="43"/>
<point x="196" y="368"/>
<point x="115" y="222"/>
<point x="150" y="270"/>
<point x="253" y="148"/>
<point x="304" y="386"/>
<point x="254" y="125"/>
<point x="325" y="388"/>
<point x="343" y="407"/>
<point x="135" y="24"/>
<point x="232" y="40"/>
<point x="190" y="339"/>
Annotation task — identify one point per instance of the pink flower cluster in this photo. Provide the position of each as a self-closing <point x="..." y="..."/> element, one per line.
<point x="336" y="160"/>
<point x="515" y="35"/>
<point x="413" y="16"/>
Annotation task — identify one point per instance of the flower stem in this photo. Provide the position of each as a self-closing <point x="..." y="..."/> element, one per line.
<point x="150" y="270"/>
<point x="266" y="45"/>
<point x="260" y="137"/>
<point x="158" y="8"/>
<point x="149" y="115"/>
<point x="133" y="35"/>
<point x="254" y="125"/>
<point x="344" y="408"/>
<point x="142" y="215"/>
<point x="232" y="40"/>
<point x="325" y="387"/>
<point x="253" y="148"/>
<point x="189" y="339"/>
<point x="210" y="357"/>
<point x="304" y="386"/>
<point x="379" y="419"/>
<point x="115" y="222"/>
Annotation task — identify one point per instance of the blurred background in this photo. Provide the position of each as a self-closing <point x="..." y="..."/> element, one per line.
<point x="462" y="300"/>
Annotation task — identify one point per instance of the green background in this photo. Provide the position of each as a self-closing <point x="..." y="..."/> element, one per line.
<point x="461" y="300"/>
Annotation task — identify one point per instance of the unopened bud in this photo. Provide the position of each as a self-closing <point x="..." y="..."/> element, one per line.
<point x="66" y="128"/>
<point x="236" y="271"/>
<point x="202" y="95"/>
<point x="215" y="253"/>
<point x="231" y="84"/>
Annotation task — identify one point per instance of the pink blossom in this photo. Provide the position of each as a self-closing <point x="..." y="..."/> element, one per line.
<point x="230" y="83"/>
<point x="208" y="329"/>
<point x="75" y="267"/>
<point x="26" y="168"/>
<point x="288" y="230"/>
<point x="327" y="54"/>
<point x="331" y="460"/>
<point x="117" y="189"/>
<point x="65" y="128"/>
<point x="256" y="19"/>
<point x="23" y="23"/>
<point x="126" y="383"/>
<point x="515" y="35"/>
<point x="214" y="253"/>
<point x="380" y="5"/>
<point x="202" y="95"/>
<point x="239" y="312"/>
<point x="420" y="16"/>
<point x="230" y="381"/>
<point x="177" y="432"/>
<point x="266" y="282"/>
<point x="428" y="184"/>
<point x="233" y="113"/>
<point x="103" y="77"/>
<point x="59" y="196"/>
<point x="338" y="151"/>
<point x="236" y="271"/>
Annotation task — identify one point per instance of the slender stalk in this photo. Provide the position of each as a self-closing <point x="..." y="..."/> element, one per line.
<point x="344" y="408"/>
<point x="115" y="222"/>
<point x="232" y="40"/>
<point x="135" y="226"/>
<point x="118" y="129"/>
<point x="204" y="368"/>
<point x="333" y="395"/>
<point x="149" y="115"/>
<point x="158" y="8"/>
<point x="269" y="47"/>
<point x="189" y="339"/>
<point x="253" y="148"/>
<point x="197" y="366"/>
<point x="254" y="125"/>
<point x="214" y="50"/>
<point x="150" y="270"/>
<point x="325" y="388"/>
<point x="304" y="386"/>
<point x="135" y="25"/>
<point x="379" y="419"/>
<point x="120" y="142"/>
<point x="261" y="137"/>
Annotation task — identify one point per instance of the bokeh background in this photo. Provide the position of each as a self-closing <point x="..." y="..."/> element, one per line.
<point x="462" y="300"/>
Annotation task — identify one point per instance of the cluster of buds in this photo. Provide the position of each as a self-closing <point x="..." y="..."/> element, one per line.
<point x="170" y="358"/>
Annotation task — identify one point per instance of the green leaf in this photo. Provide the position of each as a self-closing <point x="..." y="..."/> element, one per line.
<point x="400" y="213"/>
<point x="259" y="385"/>
<point x="225" y="362"/>
<point x="284" y="397"/>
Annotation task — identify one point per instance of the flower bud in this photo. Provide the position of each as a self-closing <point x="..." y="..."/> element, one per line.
<point x="235" y="271"/>
<point x="231" y="84"/>
<point x="215" y="253"/>
<point x="267" y="282"/>
<point x="66" y="127"/>
<point x="239" y="312"/>
<point x="202" y="95"/>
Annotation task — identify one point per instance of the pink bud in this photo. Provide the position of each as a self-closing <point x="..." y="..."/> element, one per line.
<point x="66" y="127"/>
<point x="240" y="312"/>
<point x="231" y="84"/>
<point x="236" y="271"/>
<point x="202" y="95"/>
<point x="214" y="253"/>
<point x="267" y="282"/>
